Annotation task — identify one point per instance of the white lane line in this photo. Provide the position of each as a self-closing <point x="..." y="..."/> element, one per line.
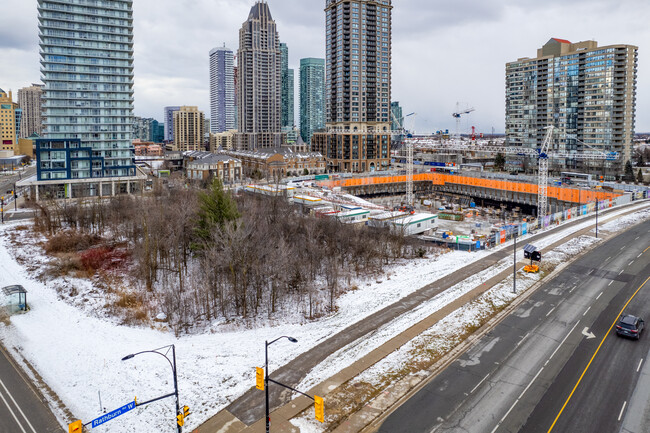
<point x="585" y="313"/>
<point x="639" y="256"/>
<point x="17" y="407"/>
<point x="630" y="264"/>
<point x="620" y="415"/>
<point x="598" y="297"/>
<point x="574" y="287"/>
<point x="608" y="258"/>
<point x="12" y="412"/>
<point x="621" y="272"/>
<point x="532" y="381"/>
<point x="639" y="367"/>
<point x="479" y="384"/>
<point x="637" y="238"/>
<point x="623" y="247"/>
<point x="549" y="313"/>
<point x="522" y="340"/>
<point x="610" y="283"/>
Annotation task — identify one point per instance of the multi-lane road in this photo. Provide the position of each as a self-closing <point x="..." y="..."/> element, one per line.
<point x="22" y="409"/>
<point x="555" y="364"/>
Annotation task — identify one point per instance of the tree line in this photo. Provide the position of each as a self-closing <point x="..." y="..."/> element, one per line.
<point x="198" y="255"/>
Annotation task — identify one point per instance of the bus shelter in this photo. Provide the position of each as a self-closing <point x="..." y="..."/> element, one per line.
<point x="15" y="299"/>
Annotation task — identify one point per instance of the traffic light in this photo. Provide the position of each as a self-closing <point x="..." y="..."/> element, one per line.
<point x="75" y="427"/>
<point x="180" y="419"/>
<point x="186" y="411"/>
<point x="259" y="378"/>
<point x="319" y="405"/>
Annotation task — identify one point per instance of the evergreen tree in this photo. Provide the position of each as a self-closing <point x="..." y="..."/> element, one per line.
<point x="629" y="172"/>
<point x="500" y="161"/>
<point x="217" y="207"/>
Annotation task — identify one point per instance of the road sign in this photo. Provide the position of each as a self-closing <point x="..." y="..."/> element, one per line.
<point x="112" y="415"/>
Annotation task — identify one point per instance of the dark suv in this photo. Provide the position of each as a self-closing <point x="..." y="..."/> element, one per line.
<point x="630" y="326"/>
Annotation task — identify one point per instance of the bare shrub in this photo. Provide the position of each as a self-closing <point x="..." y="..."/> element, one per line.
<point x="70" y="241"/>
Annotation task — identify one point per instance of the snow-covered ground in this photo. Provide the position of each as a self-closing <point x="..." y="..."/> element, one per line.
<point x="78" y="352"/>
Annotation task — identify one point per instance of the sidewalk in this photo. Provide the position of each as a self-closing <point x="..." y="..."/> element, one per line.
<point x="249" y="408"/>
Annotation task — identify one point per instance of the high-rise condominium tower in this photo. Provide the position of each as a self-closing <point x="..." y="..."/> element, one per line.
<point x="9" y="122"/>
<point x="259" y="82"/>
<point x="30" y="101"/>
<point x="86" y="50"/>
<point x="189" y="129"/>
<point x="358" y="85"/>
<point x="588" y="93"/>
<point x="168" y="118"/>
<point x="222" y="90"/>
<point x="312" y="97"/>
<point x="287" y="119"/>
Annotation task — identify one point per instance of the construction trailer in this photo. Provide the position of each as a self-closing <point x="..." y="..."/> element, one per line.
<point x="358" y="216"/>
<point x="415" y="224"/>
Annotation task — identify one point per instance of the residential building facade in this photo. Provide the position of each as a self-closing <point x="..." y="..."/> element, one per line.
<point x="168" y="118"/>
<point x="259" y="81"/>
<point x="587" y="92"/>
<point x="287" y="120"/>
<point x="157" y="131"/>
<point x="188" y="129"/>
<point x="277" y="163"/>
<point x="141" y="128"/>
<point x="357" y="86"/>
<point x="30" y="100"/>
<point x="9" y="122"/>
<point x="226" y="168"/>
<point x="222" y="90"/>
<point x="312" y="97"/>
<point x="222" y="140"/>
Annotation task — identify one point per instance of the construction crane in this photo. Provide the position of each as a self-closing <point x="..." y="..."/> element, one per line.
<point x="542" y="154"/>
<point x="457" y="115"/>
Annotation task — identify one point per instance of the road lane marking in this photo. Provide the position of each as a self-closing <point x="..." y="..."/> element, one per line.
<point x="639" y="256"/>
<point x="646" y="249"/>
<point x="621" y="272"/>
<point x="623" y="247"/>
<point x="630" y="264"/>
<point x="594" y="356"/>
<point x="639" y="367"/>
<point x="534" y="378"/>
<point x="601" y="294"/>
<point x="12" y="412"/>
<point x="574" y="287"/>
<point x="522" y="340"/>
<point x="637" y="238"/>
<point x="610" y="283"/>
<point x="549" y="313"/>
<point x="17" y="407"/>
<point x="479" y="384"/>
<point x="620" y="415"/>
<point x="608" y="258"/>
<point x="585" y="313"/>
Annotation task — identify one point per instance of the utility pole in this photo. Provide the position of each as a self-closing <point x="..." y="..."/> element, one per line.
<point x="596" y="218"/>
<point x="15" y="198"/>
<point x="2" y="209"/>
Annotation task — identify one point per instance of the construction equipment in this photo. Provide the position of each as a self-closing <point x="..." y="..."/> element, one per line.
<point x="541" y="153"/>
<point x="458" y="115"/>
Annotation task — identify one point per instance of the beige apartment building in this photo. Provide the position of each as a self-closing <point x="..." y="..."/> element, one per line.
<point x="8" y="124"/>
<point x="30" y="101"/>
<point x="587" y="92"/>
<point x="188" y="129"/>
<point x="222" y="140"/>
<point x="357" y="86"/>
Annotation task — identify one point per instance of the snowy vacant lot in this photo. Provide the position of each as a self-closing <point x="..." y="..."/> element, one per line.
<point x="78" y="353"/>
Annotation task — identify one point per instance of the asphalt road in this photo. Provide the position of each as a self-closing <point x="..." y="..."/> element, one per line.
<point x="21" y="408"/>
<point x="519" y="376"/>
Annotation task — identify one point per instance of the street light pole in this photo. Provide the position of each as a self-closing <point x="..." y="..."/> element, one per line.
<point x="596" y="218"/>
<point x="514" y="265"/>
<point x="266" y="377"/>
<point x="173" y="365"/>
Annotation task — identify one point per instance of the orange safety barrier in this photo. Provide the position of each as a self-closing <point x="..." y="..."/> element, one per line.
<point x="564" y="194"/>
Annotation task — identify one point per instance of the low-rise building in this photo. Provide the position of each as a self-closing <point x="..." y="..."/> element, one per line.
<point x="147" y="148"/>
<point x="278" y="162"/>
<point x="226" y="168"/>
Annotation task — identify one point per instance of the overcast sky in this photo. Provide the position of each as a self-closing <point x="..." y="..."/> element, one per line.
<point x="444" y="51"/>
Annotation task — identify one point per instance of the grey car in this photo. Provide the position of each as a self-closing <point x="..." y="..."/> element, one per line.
<point x="630" y="326"/>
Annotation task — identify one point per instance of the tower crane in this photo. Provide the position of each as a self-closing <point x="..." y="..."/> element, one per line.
<point x="542" y="154"/>
<point x="457" y="115"/>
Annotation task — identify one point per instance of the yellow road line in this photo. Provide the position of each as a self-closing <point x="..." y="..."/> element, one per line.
<point x="596" y="353"/>
<point x="646" y="249"/>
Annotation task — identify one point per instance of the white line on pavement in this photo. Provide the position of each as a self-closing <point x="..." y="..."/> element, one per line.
<point x="479" y="384"/>
<point x="620" y="272"/>
<point x="12" y="412"/>
<point x="549" y="313"/>
<point x="620" y="415"/>
<point x="522" y="340"/>
<point x="532" y="381"/>
<point x="585" y="313"/>
<point x="598" y="297"/>
<point x="639" y="367"/>
<point x="639" y="255"/>
<point x="630" y="264"/>
<point x="610" y="283"/>
<point x="17" y="407"/>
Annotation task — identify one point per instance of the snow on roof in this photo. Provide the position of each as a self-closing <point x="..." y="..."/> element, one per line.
<point x="415" y="218"/>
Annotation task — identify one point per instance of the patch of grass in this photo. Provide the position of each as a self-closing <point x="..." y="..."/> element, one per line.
<point x="70" y="241"/>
